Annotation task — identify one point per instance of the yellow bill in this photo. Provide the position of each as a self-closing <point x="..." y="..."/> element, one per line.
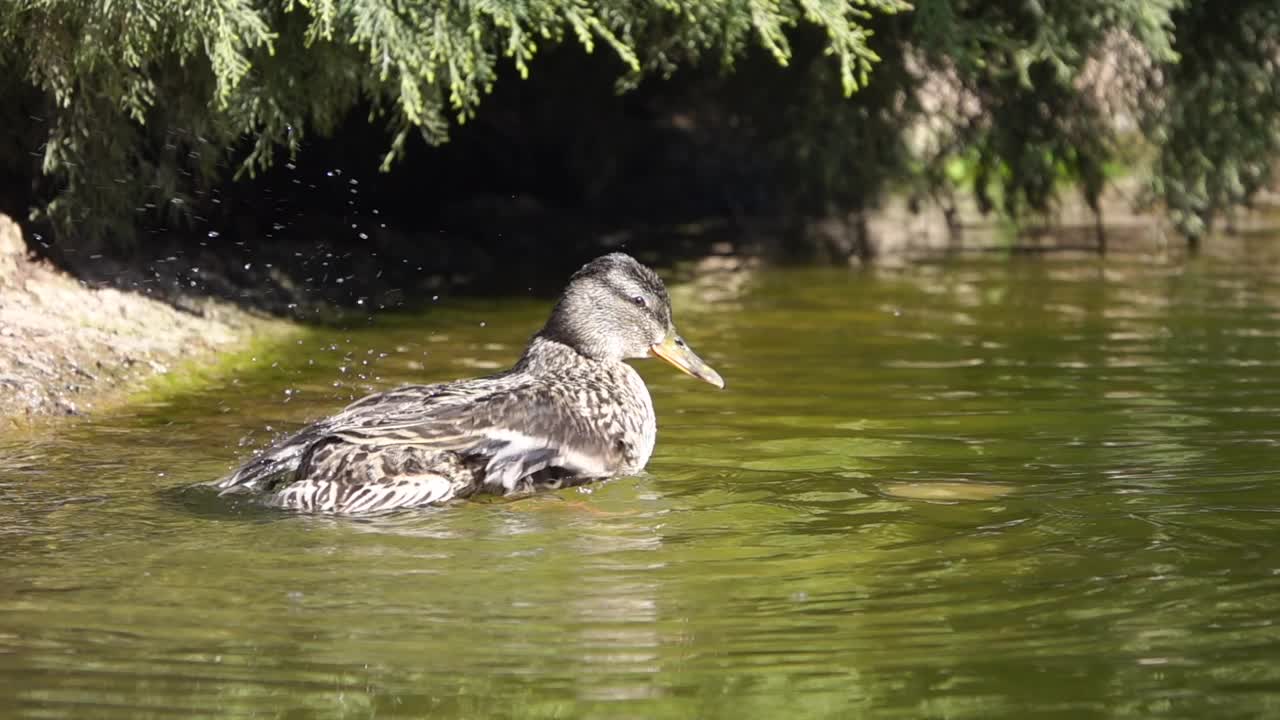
<point x="675" y="351"/>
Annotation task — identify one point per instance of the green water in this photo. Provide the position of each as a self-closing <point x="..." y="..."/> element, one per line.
<point x="990" y="489"/>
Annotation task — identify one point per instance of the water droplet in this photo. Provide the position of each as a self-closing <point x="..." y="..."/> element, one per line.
<point x="214" y="233"/>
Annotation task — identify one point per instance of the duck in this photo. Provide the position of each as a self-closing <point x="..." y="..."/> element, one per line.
<point x="570" y="411"/>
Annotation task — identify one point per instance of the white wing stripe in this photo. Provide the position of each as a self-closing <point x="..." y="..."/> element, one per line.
<point x="509" y="465"/>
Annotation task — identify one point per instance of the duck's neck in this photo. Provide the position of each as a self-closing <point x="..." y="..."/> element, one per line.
<point x="546" y="355"/>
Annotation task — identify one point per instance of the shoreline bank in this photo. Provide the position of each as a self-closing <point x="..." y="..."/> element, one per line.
<point x="67" y="349"/>
<point x="80" y="337"/>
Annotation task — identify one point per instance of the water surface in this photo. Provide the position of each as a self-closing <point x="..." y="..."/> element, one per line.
<point x="979" y="489"/>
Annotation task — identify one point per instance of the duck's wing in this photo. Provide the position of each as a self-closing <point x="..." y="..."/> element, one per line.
<point x="517" y="428"/>
<point x="512" y="428"/>
<point x="342" y="477"/>
<point x="282" y="462"/>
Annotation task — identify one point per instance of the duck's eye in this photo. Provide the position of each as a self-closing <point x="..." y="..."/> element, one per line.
<point x="639" y="301"/>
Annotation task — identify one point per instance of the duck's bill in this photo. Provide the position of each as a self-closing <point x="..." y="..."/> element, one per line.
<point x="675" y="351"/>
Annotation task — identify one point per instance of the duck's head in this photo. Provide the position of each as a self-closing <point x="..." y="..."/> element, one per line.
<point x="614" y="309"/>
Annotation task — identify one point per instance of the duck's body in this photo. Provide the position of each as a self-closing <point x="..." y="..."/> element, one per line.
<point x="555" y="418"/>
<point x="570" y="411"/>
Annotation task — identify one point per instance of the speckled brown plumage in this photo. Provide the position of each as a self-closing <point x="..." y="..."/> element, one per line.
<point x="570" y="411"/>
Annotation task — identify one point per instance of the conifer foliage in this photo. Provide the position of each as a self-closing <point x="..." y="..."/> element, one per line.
<point x="113" y="111"/>
<point x="142" y="102"/>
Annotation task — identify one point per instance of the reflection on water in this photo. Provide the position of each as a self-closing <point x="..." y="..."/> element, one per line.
<point x="971" y="490"/>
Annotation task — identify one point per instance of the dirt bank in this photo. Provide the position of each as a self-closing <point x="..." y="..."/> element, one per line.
<point x="67" y="348"/>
